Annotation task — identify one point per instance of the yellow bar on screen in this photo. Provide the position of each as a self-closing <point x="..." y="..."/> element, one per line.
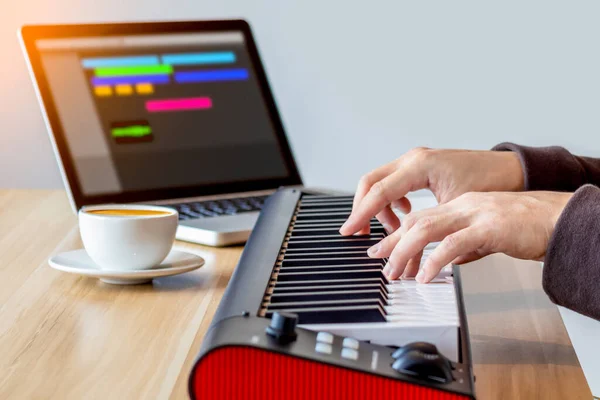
<point x="103" y="91"/>
<point x="144" y="88"/>
<point x="124" y="90"/>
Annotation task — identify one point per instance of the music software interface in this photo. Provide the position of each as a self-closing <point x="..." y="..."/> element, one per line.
<point x="157" y="111"/>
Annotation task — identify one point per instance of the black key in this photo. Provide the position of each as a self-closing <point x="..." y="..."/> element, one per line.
<point x="324" y="304"/>
<point x="343" y="274"/>
<point x="328" y="231"/>
<point x="328" y="261"/>
<point x="326" y="197"/>
<point x="302" y="287"/>
<point x="336" y="254"/>
<point x="330" y="268"/>
<point x="325" y="206"/>
<point x="344" y="243"/>
<point x="321" y="296"/>
<point x="317" y="282"/>
<point x="338" y="315"/>
<point x="312" y="217"/>
<point x="329" y="238"/>
<point x="303" y="252"/>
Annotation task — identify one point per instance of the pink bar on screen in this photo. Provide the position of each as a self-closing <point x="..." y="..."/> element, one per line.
<point x="192" y="103"/>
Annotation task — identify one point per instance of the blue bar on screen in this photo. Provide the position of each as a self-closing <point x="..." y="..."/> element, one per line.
<point x="217" y="57"/>
<point x="217" y="75"/>
<point x="98" y="62"/>
<point x="131" y="79"/>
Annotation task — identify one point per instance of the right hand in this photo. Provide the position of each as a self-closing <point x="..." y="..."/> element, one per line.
<point x="447" y="173"/>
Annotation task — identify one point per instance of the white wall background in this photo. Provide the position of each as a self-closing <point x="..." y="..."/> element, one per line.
<point x="359" y="83"/>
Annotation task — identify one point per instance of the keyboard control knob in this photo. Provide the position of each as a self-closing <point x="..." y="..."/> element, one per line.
<point x="283" y="327"/>
<point x="424" y="347"/>
<point x="423" y="361"/>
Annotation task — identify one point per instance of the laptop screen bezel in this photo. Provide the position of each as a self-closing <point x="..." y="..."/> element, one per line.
<point x="30" y="34"/>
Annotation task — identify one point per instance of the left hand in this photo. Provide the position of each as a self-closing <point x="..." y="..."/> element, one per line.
<point x="470" y="227"/>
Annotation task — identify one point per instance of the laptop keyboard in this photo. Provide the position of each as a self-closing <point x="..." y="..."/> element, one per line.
<point x="216" y="208"/>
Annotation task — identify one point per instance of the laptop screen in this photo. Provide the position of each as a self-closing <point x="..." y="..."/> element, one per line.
<point x="141" y="112"/>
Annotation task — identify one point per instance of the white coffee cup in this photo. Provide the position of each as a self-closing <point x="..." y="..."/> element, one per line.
<point x="127" y="242"/>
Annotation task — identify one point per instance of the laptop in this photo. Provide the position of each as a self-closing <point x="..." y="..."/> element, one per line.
<point x="172" y="113"/>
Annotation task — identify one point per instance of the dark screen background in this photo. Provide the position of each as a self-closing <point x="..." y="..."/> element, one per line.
<point x="233" y="141"/>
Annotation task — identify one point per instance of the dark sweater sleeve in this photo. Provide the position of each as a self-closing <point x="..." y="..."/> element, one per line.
<point x="554" y="168"/>
<point x="571" y="276"/>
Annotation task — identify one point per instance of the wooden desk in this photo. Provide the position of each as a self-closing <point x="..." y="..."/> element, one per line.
<point x="67" y="337"/>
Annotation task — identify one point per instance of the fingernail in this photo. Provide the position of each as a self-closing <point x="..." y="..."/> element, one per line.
<point x="344" y="226"/>
<point x="386" y="269"/>
<point x="420" y="276"/>
<point x="373" y="250"/>
<point x="388" y="228"/>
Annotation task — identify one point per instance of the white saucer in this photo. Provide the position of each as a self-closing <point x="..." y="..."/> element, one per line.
<point x="78" y="262"/>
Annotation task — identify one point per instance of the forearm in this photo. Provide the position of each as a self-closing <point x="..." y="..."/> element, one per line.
<point x="554" y="168"/>
<point x="572" y="264"/>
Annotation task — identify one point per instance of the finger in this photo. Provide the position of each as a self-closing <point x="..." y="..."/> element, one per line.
<point x="381" y="194"/>
<point x="467" y="258"/>
<point x="456" y="244"/>
<point x="388" y="219"/>
<point x="364" y="185"/>
<point x="402" y="204"/>
<point x="411" y="219"/>
<point x="385" y="246"/>
<point x="413" y="266"/>
<point x="427" y="230"/>
<point x="368" y="180"/>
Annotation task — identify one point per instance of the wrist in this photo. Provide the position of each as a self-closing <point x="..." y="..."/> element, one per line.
<point x="508" y="172"/>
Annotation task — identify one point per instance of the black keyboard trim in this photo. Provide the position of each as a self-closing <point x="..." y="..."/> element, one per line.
<point x="251" y="277"/>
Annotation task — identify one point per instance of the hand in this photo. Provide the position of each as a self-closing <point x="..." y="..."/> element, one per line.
<point x="470" y="227"/>
<point x="447" y="173"/>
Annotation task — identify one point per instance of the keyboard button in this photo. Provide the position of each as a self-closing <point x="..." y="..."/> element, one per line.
<point x="325" y="337"/>
<point x="323" y="348"/>
<point x="349" y="354"/>
<point x="350" y="343"/>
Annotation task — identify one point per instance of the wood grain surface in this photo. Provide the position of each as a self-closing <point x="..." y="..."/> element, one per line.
<point x="67" y="337"/>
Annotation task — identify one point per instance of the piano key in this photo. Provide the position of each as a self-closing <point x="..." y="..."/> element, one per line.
<point x="337" y="314"/>
<point x="323" y="224"/>
<point x="292" y="255"/>
<point x="310" y="222"/>
<point x="327" y="295"/>
<point x="330" y="231"/>
<point x="331" y="269"/>
<point x="327" y="206"/>
<point x="321" y="237"/>
<point x="325" y="197"/>
<point x="327" y="282"/>
<point x="299" y="305"/>
<point x="325" y="267"/>
<point x="323" y="286"/>
<point x="325" y="210"/>
<point x="328" y="288"/>
<point x="343" y="274"/>
<point x="321" y="216"/>
<point x="365" y="261"/>
<point x="347" y="242"/>
<point x="329" y="238"/>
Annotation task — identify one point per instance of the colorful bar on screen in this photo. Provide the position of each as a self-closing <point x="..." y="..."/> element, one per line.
<point x="217" y="75"/>
<point x="133" y="131"/>
<point x="103" y="91"/>
<point x="217" y="57"/>
<point x="135" y="70"/>
<point x="99" y="62"/>
<point x="116" y="80"/>
<point x="191" y="103"/>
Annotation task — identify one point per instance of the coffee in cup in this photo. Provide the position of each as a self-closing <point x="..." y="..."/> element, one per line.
<point x="127" y="237"/>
